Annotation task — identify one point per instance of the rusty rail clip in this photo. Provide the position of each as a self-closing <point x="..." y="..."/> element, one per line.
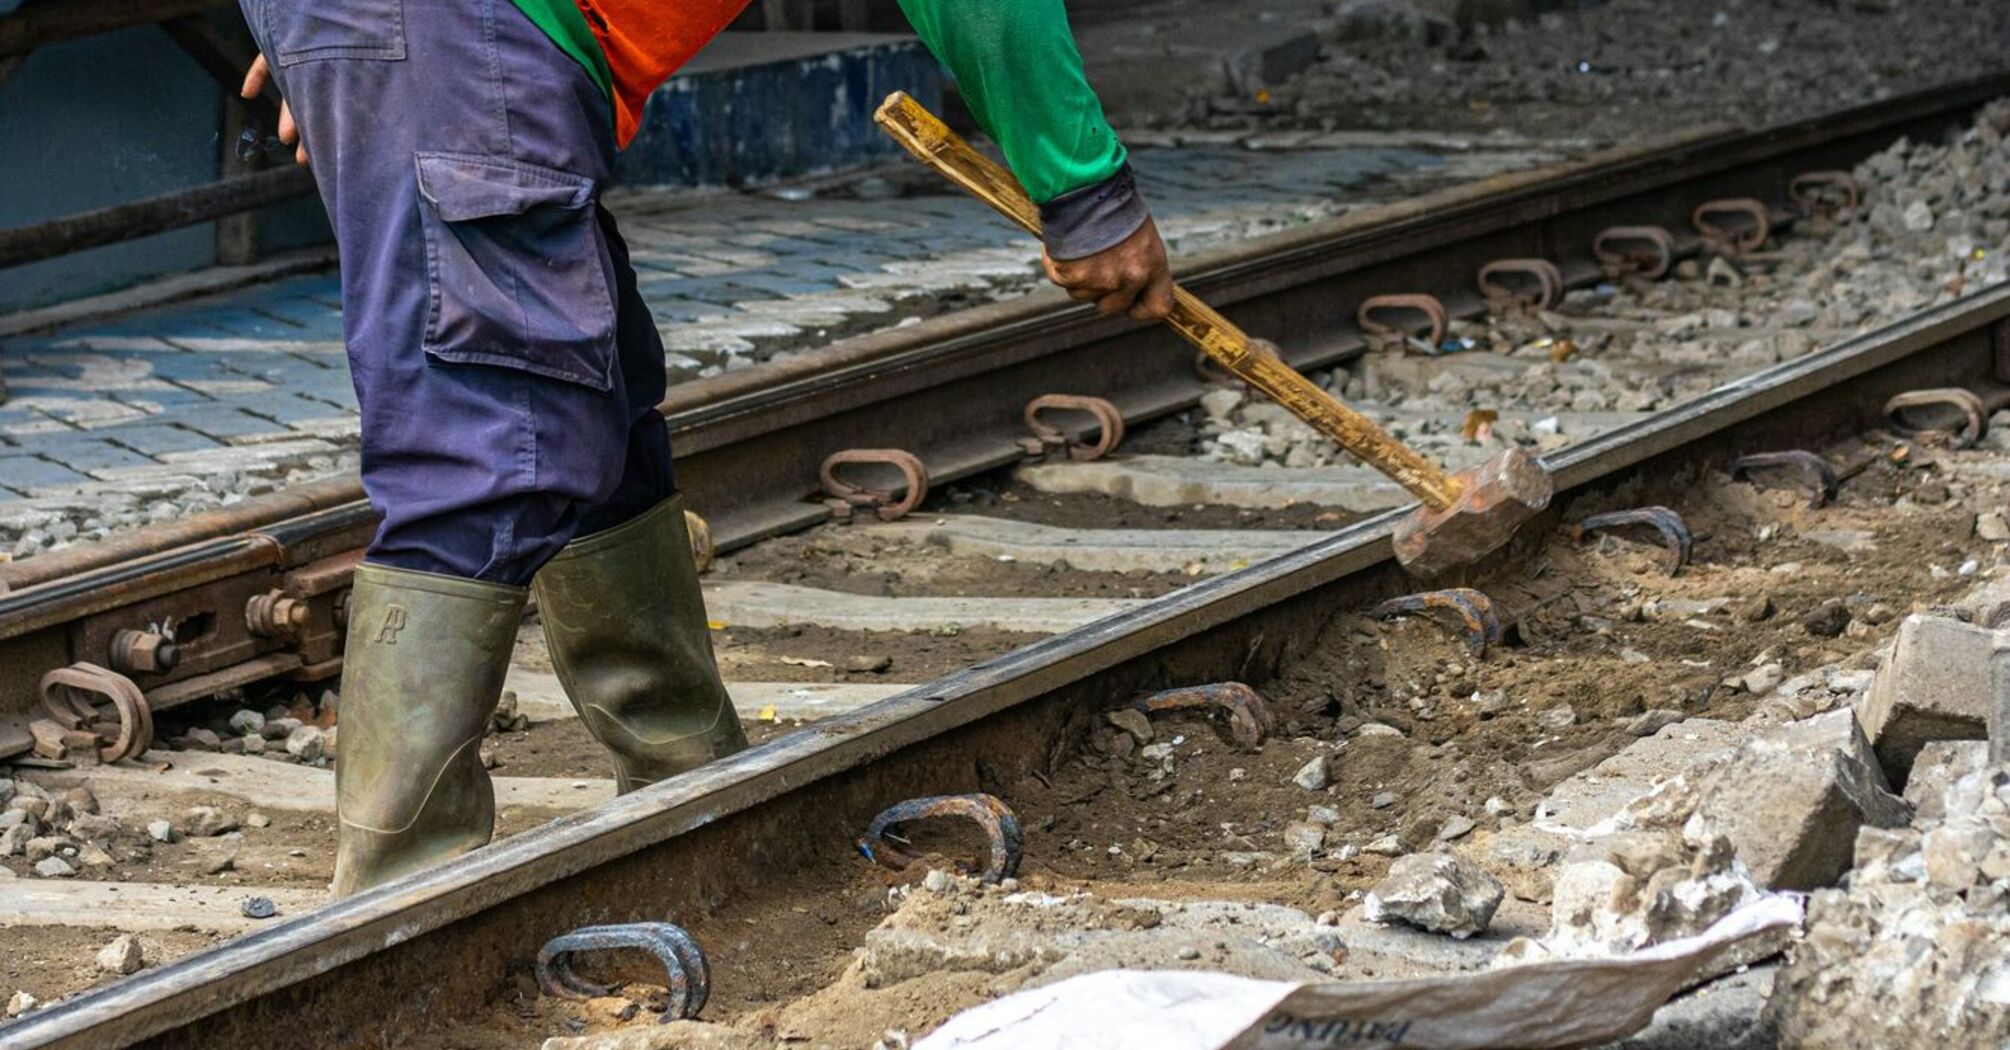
<point x="1382" y="335"/>
<point x="1826" y="194"/>
<point x="1674" y="531"/>
<point x="1641" y="251"/>
<point x="1972" y="410"/>
<point x="1500" y="296"/>
<point x="1047" y="437"/>
<point x="1734" y="238"/>
<point x="885" y="503"/>
<point x="1000" y="826"/>
<point x="1477" y="620"/>
<point x="690" y="975"/>
<point x="1249" y="718"/>
<point x="65" y="696"/>
<point x="1812" y="468"/>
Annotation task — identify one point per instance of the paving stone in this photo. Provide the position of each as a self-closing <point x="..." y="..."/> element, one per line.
<point x="154" y="438"/>
<point x="1937" y="685"/>
<point x="25" y="473"/>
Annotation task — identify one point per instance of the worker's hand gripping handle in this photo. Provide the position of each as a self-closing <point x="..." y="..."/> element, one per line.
<point x="931" y="141"/>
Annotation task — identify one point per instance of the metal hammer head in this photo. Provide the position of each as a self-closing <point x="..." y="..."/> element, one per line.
<point x="1495" y="498"/>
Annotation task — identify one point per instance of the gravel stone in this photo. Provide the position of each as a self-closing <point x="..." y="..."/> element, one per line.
<point x="123" y="956"/>
<point x="1315" y="775"/>
<point x="54" y="868"/>
<point x="1437" y="892"/>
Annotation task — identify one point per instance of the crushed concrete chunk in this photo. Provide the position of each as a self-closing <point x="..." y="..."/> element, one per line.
<point x="1438" y="892"/>
<point x="1935" y="686"/>
<point x="1939" y="765"/>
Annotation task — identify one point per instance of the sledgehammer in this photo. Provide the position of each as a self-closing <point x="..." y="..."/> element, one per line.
<point x="1464" y="516"/>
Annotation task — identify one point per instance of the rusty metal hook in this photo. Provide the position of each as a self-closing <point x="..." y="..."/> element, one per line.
<point x="1974" y="414"/>
<point x="1738" y="238"/>
<point x="1383" y="335"/>
<point x="690" y="975"/>
<point x="1548" y="281"/>
<point x="1816" y="193"/>
<point x="65" y="693"/>
<point x="1479" y="624"/>
<point x="1643" y="251"/>
<point x="1675" y="537"/>
<point x="1814" y="469"/>
<point x="1046" y="436"/>
<point x="888" y="504"/>
<point x="1249" y="718"/>
<point x="1001" y="828"/>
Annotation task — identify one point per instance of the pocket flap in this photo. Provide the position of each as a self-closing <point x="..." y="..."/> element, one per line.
<point x="463" y="187"/>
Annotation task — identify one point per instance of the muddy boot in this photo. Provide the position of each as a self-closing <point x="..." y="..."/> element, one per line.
<point x="421" y="673"/>
<point x="626" y="624"/>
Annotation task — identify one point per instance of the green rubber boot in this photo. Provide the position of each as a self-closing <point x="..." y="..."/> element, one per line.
<point x="421" y="673"/>
<point x="627" y="628"/>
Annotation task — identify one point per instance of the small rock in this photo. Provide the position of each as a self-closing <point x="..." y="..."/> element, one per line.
<point x="304" y="743"/>
<point x="1132" y="721"/>
<point x="1437" y="892"/>
<point x="54" y="868"/>
<point x="258" y="908"/>
<point x="123" y="956"/>
<point x="280" y="728"/>
<point x="1756" y="609"/>
<point x="1457" y="827"/>
<point x="80" y="800"/>
<point x="1650" y="722"/>
<point x="219" y="865"/>
<point x="1562" y="716"/>
<point x="868" y="663"/>
<point x="199" y="739"/>
<point x="1764" y="679"/>
<point x="1188" y="953"/>
<point x="1304" y="838"/>
<point x="14" y="841"/>
<point x="1324" y="816"/>
<point x="1377" y="729"/>
<point x="254" y="745"/>
<point x="1828" y="619"/>
<point x="1314" y="775"/>
<point x="160" y="831"/>
<point x="91" y="855"/>
<point x="1390" y="845"/>
<point x="1991" y="527"/>
<point x="1918" y="217"/>
<point x="247" y="723"/>
<point x="1382" y="800"/>
<point x="7" y="791"/>
<point x="938" y="881"/>
<point x="207" y="821"/>
<point x="47" y="846"/>
<point x="258" y="820"/>
<point x="20" y="1004"/>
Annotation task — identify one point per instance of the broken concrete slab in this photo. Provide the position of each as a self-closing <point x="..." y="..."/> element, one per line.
<point x="1101" y="550"/>
<point x="749" y="603"/>
<point x="1581" y="807"/>
<point x="1939" y="766"/>
<point x="1936" y="685"/>
<point x="1790" y="801"/>
<point x="141" y="906"/>
<point x="280" y="785"/>
<point x="541" y="698"/>
<point x="1167" y="481"/>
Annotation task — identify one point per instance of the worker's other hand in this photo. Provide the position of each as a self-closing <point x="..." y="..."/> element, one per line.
<point x="254" y="84"/>
<point x="1131" y="276"/>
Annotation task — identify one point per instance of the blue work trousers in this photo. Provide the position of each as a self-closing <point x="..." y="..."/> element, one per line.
<point x="507" y="369"/>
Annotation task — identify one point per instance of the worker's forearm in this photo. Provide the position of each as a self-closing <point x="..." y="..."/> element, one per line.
<point x="1016" y="64"/>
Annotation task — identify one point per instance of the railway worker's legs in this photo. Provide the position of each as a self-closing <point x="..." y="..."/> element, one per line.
<point x="508" y="375"/>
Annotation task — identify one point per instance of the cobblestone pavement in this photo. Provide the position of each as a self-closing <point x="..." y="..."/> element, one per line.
<point x="147" y="416"/>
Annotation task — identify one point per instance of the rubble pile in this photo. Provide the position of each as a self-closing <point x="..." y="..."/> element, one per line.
<point x="62" y="834"/>
<point x="1915" y="950"/>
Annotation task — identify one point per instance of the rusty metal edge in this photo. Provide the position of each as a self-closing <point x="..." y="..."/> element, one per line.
<point x="296" y="950"/>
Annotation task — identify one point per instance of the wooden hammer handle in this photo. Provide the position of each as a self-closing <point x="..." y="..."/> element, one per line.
<point x="931" y="141"/>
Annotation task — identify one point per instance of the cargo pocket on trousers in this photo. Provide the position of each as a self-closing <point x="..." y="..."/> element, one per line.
<point x="519" y="274"/>
<point x="313" y="31"/>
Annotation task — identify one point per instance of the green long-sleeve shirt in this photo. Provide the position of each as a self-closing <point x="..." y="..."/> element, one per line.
<point x="1015" y="62"/>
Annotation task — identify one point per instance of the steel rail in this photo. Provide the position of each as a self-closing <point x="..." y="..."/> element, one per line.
<point x="749" y="443"/>
<point x="429" y="948"/>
